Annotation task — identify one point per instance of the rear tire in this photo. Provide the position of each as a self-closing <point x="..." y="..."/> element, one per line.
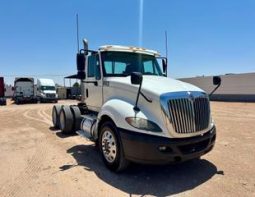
<point x="56" y="115"/>
<point x="66" y="120"/>
<point x="77" y="118"/>
<point x="111" y="148"/>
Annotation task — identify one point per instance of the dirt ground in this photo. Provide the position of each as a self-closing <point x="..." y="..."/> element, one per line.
<point x="35" y="160"/>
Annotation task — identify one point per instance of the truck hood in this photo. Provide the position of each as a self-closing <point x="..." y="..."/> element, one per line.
<point x="152" y="85"/>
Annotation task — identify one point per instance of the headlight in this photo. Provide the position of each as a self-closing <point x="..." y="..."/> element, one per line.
<point x="143" y="124"/>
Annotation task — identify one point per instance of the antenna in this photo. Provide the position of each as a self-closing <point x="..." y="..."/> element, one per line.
<point x="166" y="44"/>
<point x="77" y="29"/>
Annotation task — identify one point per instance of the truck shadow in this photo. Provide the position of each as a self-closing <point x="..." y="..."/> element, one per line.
<point x="60" y="134"/>
<point x="145" y="179"/>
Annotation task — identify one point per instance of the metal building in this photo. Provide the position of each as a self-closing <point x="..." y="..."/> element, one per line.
<point x="234" y="87"/>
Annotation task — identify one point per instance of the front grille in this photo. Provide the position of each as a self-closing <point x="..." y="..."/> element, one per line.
<point x="50" y="95"/>
<point x="189" y="115"/>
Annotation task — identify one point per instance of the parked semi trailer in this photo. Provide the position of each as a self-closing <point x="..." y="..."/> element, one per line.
<point x="134" y="112"/>
<point x="24" y="90"/>
<point x="2" y="91"/>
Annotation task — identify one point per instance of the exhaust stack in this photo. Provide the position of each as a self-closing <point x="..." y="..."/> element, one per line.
<point x="85" y="46"/>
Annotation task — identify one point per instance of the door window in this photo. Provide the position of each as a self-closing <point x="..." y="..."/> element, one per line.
<point x="93" y="67"/>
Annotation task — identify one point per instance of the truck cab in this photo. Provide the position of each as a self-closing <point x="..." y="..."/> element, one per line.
<point x="134" y="112"/>
<point x="46" y="90"/>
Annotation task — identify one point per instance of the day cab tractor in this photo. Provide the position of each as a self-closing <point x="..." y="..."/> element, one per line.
<point x="134" y="112"/>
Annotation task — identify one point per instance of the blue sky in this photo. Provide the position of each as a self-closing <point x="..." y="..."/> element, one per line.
<point x="204" y="37"/>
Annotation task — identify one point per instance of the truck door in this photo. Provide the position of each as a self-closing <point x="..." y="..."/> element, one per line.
<point x="93" y="83"/>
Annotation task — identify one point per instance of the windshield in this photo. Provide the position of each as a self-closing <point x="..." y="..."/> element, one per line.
<point x="48" y="88"/>
<point x="124" y="63"/>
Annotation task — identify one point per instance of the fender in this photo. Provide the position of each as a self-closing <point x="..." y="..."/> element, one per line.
<point x="118" y="110"/>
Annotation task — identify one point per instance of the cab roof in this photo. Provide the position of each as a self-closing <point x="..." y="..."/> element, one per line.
<point x="128" y="49"/>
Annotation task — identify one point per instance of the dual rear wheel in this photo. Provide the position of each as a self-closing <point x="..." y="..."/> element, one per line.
<point x="66" y="118"/>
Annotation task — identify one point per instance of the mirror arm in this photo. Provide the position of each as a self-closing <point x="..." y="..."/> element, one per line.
<point x="146" y="98"/>
<point x="214" y="90"/>
<point x="137" y="98"/>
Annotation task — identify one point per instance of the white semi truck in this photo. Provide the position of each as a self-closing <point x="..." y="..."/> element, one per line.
<point x="46" y="90"/>
<point x="134" y="112"/>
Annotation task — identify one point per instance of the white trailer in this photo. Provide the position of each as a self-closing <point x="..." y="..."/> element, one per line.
<point x="46" y="90"/>
<point x="24" y="90"/>
<point x="134" y="112"/>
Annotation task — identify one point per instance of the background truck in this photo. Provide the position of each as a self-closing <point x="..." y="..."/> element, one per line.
<point x="24" y="90"/>
<point x="134" y="112"/>
<point x="2" y="90"/>
<point x="46" y="90"/>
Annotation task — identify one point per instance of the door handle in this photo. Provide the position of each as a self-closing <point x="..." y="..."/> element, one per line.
<point x="87" y="93"/>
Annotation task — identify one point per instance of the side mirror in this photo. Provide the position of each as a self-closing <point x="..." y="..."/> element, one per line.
<point x="164" y="64"/>
<point x="216" y="80"/>
<point x="136" y="78"/>
<point x="80" y="62"/>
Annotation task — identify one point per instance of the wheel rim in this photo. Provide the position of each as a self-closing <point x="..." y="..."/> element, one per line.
<point x="54" y="117"/>
<point x="109" y="146"/>
<point x="62" y="121"/>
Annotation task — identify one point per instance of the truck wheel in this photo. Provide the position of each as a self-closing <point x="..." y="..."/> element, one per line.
<point x="110" y="147"/>
<point x="77" y="117"/>
<point x="66" y="120"/>
<point x="55" y="115"/>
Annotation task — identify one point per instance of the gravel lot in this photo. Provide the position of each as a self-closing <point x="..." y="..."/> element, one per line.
<point x="39" y="161"/>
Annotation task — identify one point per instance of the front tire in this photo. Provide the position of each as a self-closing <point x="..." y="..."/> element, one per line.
<point x="111" y="148"/>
